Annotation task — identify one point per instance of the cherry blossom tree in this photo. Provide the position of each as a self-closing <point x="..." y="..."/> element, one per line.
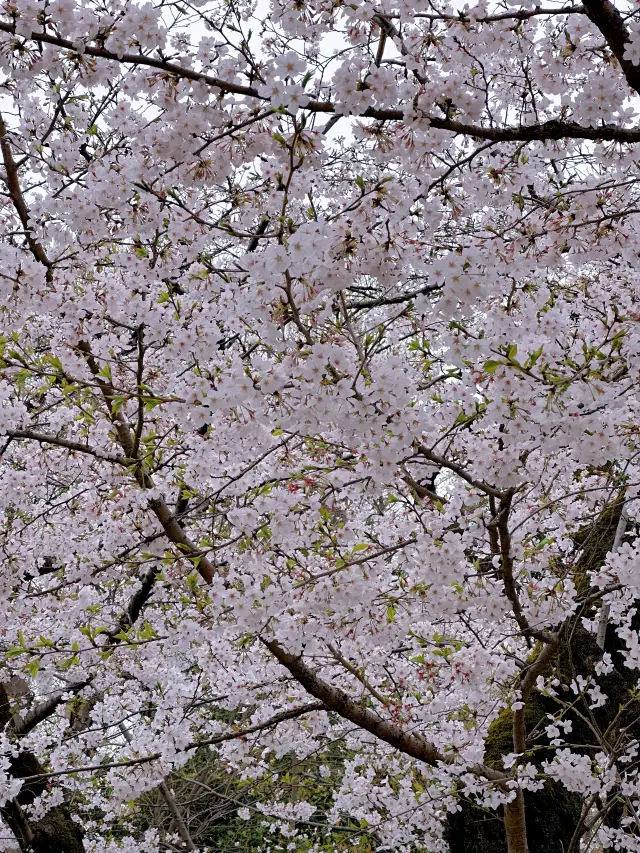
<point x="319" y="352"/>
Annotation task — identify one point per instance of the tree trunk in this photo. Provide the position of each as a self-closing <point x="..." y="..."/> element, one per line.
<point x="552" y="814"/>
<point x="56" y="832"/>
<point x="515" y="828"/>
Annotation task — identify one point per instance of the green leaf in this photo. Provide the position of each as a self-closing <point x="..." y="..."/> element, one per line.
<point x="14" y="652"/>
<point x="150" y="403"/>
<point x="33" y="667"/>
<point x="490" y="366"/>
<point x="146" y="632"/>
<point x="533" y="357"/>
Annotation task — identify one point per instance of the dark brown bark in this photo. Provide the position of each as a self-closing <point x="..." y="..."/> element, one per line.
<point x="611" y="24"/>
<point x="550" y="130"/>
<point x="56" y="832"/>
<point x="337" y="700"/>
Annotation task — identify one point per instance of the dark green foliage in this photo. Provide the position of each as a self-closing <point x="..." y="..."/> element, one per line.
<point x="209" y="795"/>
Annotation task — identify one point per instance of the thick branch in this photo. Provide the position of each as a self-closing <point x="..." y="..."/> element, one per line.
<point x="55" y="831"/>
<point x="175" y="533"/>
<point x="45" y="708"/>
<point x="611" y="24"/>
<point x="516" y="15"/>
<point x="394" y="300"/>
<point x="514" y="825"/>
<point x="460" y="470"/>
<point x="79" y="447"/>
<point x="17" y="198"/>
<point x="342" y="704"/>
<point x="128" y="618"/>
<point x="540" y="132"/>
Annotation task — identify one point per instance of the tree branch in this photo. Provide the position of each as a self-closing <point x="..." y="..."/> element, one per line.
<point x="552" y="130"/>
<point x="172" y="528"/>
<point x="131" y="762"/>
<point x="424" y="451"/>
<point x="335" y="699"/>
<point x="20" y="205"/>
<point x="79" y="447"/>
<point x="517" y="15"/>
<point x="609" y="21"/>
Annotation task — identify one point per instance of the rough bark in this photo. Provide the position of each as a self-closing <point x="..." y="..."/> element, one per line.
<point x="515" y="829"/>
<point x="56" y="832"/>
<point x="553" y="813"/>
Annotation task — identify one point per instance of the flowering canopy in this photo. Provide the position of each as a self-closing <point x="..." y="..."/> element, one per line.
<point x="320" y="335"/>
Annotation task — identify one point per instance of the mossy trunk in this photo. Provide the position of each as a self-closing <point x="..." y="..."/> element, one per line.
<point x="553" y="813"/>
<point x="551" y="816"/>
